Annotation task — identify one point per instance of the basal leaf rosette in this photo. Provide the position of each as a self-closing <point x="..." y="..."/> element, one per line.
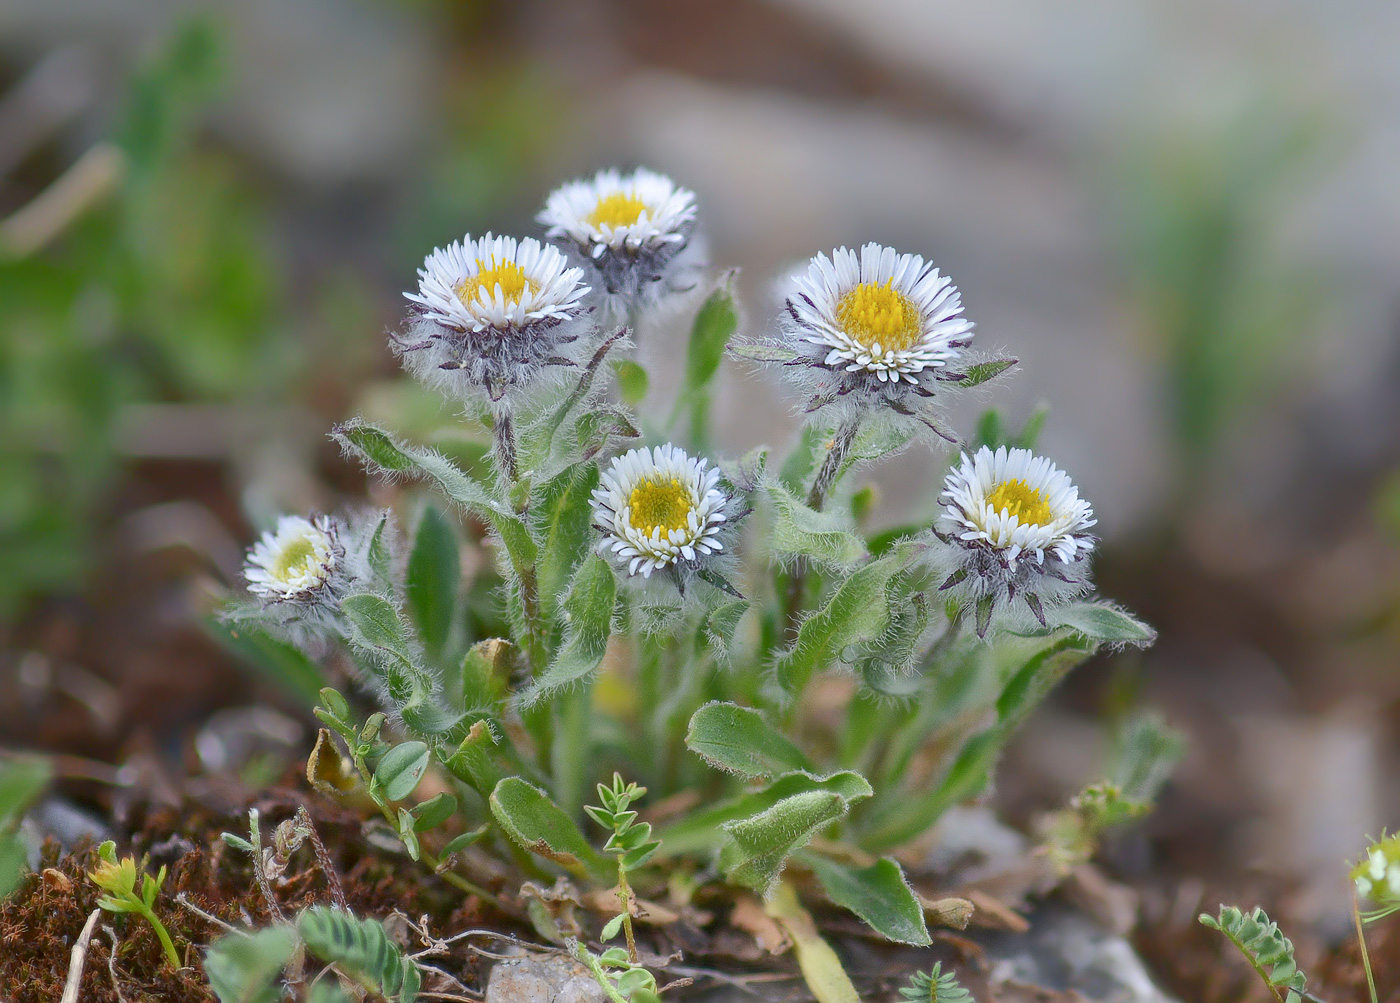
<point x="632" y="228"/>
<point x="658" y="508"/>
<point x="490" y="312"/>
<point x="298" y="561"/>
<point x="1013" y="525"/>
<point x="874" y="326"/>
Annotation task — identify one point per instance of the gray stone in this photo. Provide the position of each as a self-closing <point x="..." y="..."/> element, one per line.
<point x="1066" y="952"/>
<point x="544" y="978"/>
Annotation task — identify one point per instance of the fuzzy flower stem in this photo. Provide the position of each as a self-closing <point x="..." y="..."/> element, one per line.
<point x="1361" y="942"/>
<point x="504" y="434"/>
<point x="841" y="444"/>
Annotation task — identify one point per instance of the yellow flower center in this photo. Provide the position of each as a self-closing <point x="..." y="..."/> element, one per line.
<point x="1016" y="497"/>
<point x="295" y="559"/>
<point x="875" y="313"/>
<point x="660" y="503"/>
<point x="617" y="209"/>
<point x="489" y="274"/>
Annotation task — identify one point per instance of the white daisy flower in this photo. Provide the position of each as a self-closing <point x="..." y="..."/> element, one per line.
<point x="880" y="317"/>
<point x="494" y="308"/>
<point x="643" y="210"/>
<point x="497" y="282"/>
<point x="659" y="507"/>
<point x="1013" y="523"/>
<point x="1018" y="504"/>
<point x="295" y="560"/>
<point x="629" y="226"/>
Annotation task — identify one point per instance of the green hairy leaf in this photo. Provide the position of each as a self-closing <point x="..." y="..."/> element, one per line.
<point x="763" y="353"/>
<point x="528" y="816"/>
<point x="698" y="831"/>
<point x="935" y="986"/>
<point x="1102" y="621"/>
<point x="822" y="537"/>
<point x="878" y="894"/>
<point x="983" y="371"/>
<point x="1264" y="946"/>
<point x="857" y="613"/>
<point x="760" y="844"/>
<point x="738" y="740"/>
<point x="247" y="967"/>
<point x="377" y="629"/>
<point x="360" y="950"/>
<point x="434" y="573"/>
<point x="563" y="519"/>
<point x="381" y="451"/>
<point x="589" y="609"/>
<point x="722" y="624"/>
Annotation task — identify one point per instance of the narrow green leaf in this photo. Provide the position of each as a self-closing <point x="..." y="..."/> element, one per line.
<point x="527" y="815"/>
<point x="1102" y="621"/>
<point x="589" y="610"/>
<point x="991" y="430"/>
<point x="459" y="843"/>
<point x="14" y="862"/>
<point x="381" y="451"/>
<point x="434" y="574"/>
<point x="380" y="554"/>
<point x="715" y="324"/>
<point x="632" y="382"/>
<point x="401" y="769"/>
<point x="878" y="894"/>
<point x="22" y="780"/>
<point x="563" y="518"/>
<point x="738" y="740"/>
<point x="983" y="371"/>
<point x="284" y="664"/>
<point x="820" y="965"/>
<point x="799" y="531"/>
<point x="432" y="813"/>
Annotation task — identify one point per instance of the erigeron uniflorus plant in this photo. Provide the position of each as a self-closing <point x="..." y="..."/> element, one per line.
<point x="643" y="604"/>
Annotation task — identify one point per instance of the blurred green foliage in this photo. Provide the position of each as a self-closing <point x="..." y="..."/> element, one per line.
<point x="164" y="291"/>
<point x="1201" y="213"/>
<point x="500" y="122"/>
